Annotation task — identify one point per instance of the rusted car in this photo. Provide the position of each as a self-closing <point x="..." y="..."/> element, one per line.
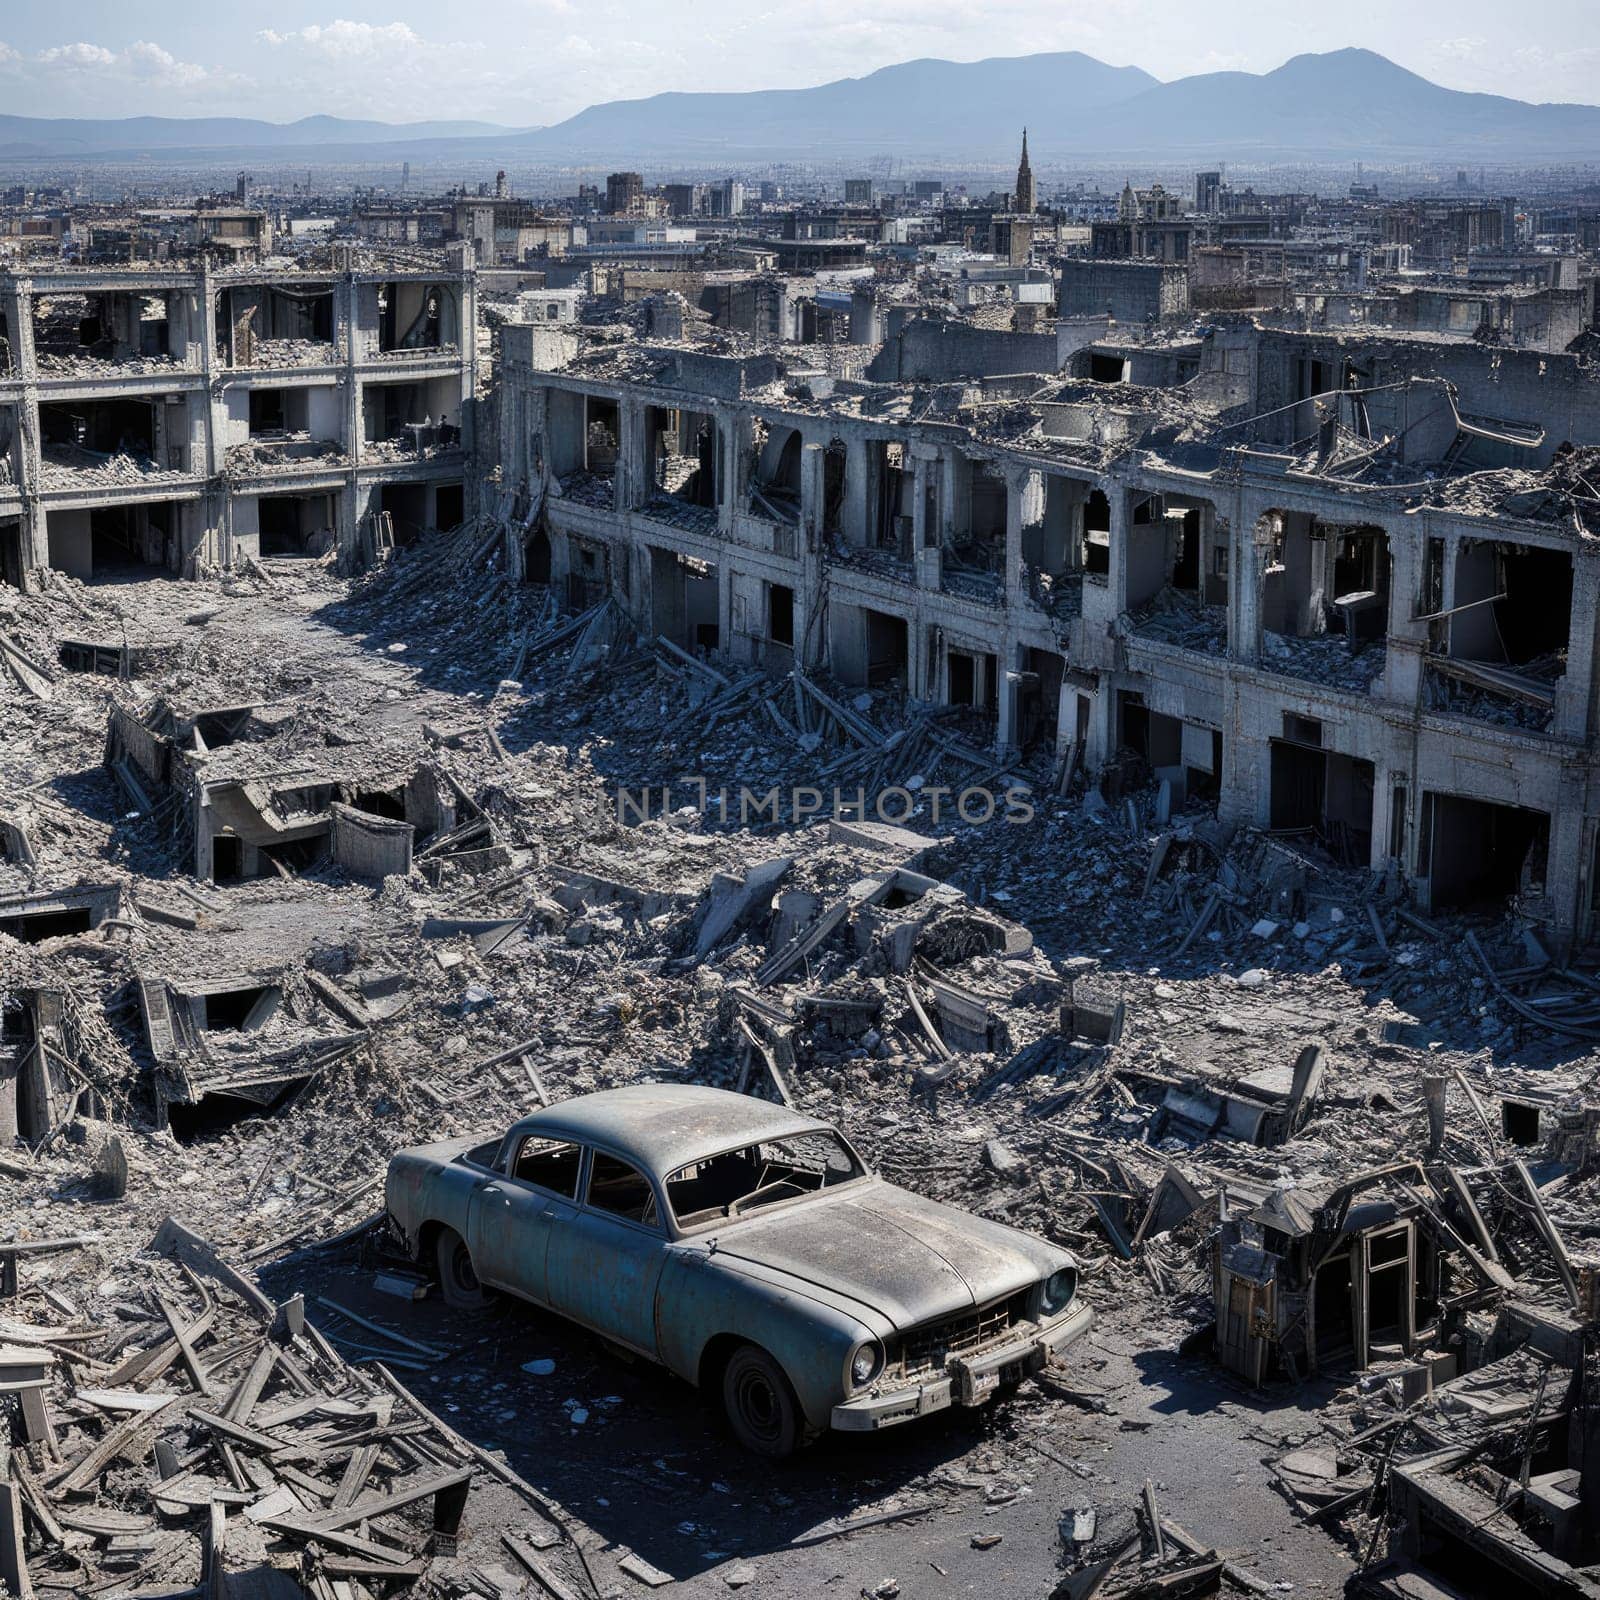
<point x="748" y="1249"/>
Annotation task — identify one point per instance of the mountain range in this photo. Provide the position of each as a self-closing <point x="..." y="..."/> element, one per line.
<point x="1339" y="106"/>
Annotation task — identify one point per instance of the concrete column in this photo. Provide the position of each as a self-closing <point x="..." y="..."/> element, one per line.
<point x="1005" y="663"/>
<point x="20" y="315"/>
<point x="631" y="485"/>
<point x="737" y="438"/>
<point x="1245" y="572"/>
<point x="1573" y="699"/>
<point x="1024" y="507"/>
<point x="919" y="504"/>
<point x="1117" y="495"/>
<point x="812" y="483"/>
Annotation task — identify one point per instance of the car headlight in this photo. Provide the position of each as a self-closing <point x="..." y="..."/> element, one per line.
<point x="866" y="1363"/>
<point x="1058" y="1290"/>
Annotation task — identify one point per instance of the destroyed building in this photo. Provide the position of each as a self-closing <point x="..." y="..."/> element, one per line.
<point x="1345" y="585"/>
<point x="169" y="418"/>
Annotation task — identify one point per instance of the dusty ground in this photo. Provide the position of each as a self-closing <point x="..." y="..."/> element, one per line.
<point x="644" y="1467"/>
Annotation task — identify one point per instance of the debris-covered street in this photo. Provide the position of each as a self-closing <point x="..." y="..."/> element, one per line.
<point x="1218" y="1069"/>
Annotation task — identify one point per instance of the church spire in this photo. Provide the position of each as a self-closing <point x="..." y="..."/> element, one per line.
<point x="1027" y="198"/>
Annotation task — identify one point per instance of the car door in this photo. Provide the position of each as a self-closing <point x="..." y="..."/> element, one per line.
<point x="603" y="1265"/>
<point x="512" y="1215"/>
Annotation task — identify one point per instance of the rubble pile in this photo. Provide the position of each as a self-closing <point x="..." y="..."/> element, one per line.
<point x="465" y="875"/>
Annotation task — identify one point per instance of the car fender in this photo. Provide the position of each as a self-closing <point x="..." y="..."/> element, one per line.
<point x="702" y="1300"/>
<point x="421" y="1187"/>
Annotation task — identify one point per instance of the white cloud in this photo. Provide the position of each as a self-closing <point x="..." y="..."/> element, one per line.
<point x="78" y="55"/>
<point x="345" y="39"/>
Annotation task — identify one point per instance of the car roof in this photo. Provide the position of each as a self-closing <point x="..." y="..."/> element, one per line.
<point x="664" y="1126"/>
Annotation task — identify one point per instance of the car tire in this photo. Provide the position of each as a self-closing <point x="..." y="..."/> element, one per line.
<point x="760" y="1405"/>
<point x="457" y="1281"/>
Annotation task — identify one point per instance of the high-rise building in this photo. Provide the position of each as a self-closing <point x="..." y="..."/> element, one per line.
<point x="858" y="191"/>
<point x="1027" y="196"/>
<point x="1207" y="192"/>
<point x="624" y="193"/>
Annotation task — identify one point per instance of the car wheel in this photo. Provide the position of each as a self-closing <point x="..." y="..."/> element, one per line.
<point x="457" y="1281"/>
<point x="760" y="1404"/>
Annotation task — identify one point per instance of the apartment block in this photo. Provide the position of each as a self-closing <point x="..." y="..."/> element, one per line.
<point x="184" y="418"/>
<point x="1345" y="586"/>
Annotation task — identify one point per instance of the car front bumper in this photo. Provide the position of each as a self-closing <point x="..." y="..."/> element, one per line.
<point x="966" y="1380"/>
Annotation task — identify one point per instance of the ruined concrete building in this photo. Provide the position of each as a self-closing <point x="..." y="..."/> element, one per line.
<point x="1345" y="584"/>
<point x="174" y="418"/>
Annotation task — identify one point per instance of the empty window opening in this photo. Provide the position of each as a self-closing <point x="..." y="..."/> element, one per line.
<point x="1097" y="533"/>
<point x="1186" y="565"/>
<point x="685" y="599"/>
<point x="602" y="433"/>
<point x="1334" y="1302"/>
<point x="267" y="412"/>
<point x="296" y="524"/>
<point x="218" y="1114"/>
<point x="983" y="548"/>
<point x="382" y="803"/>
<point x="536" y="557"/>
<point x="893" y="488"/>
<point x="1527" y="619"/>
<point x="449" y="505"/>
<point x="117" y="543"/>
<point x="1476" y="855"/>
<point x="888" y="649"/>
<point x="780" y="614"/>
<point x="281" y="325"/>
<point x="11" y="552"/>
<point x="1048" y="544"/>
<point x="411" y="418"/>
<point x="1038" y="702"/>
<point x="775" y="480"/>
<point x="414" y="316"/>
<point x="588" y="580"/>
<point x="83" y="433"/>
<point x="970" y="681"/>
<point x="681" y="448"/>
<point x="1322" y="795"/>
<point x="1106" y="369"/>
<point x="834" y="462"/>
<point x="227" y="858"/>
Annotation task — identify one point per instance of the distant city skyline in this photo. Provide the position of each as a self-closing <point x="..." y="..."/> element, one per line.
<point x="530" y="62"/>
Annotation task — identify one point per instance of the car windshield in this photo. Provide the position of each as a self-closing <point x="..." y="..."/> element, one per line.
<point x="740" y="1181"/>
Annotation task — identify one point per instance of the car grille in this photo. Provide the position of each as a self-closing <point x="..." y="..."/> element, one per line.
<point x="932" y="1344"/>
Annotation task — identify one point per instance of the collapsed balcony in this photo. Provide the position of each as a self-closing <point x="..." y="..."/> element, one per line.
<point x="1498" y="650"/>
<point x="93" y="444"/>
<point x="1324" y="599"/>
<point x="112" y="333"/>
<point x="1177" y="573"/>
<point x="276" y="325"/>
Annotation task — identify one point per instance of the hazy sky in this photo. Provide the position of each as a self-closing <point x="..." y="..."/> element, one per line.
<point x="526" y="62"/>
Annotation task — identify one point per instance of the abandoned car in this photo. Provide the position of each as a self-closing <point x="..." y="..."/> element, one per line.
<point x="747" y="1248"/>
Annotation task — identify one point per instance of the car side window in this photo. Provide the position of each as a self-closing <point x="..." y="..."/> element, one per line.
<point x="621" y="1189"/>
<point x="551" y="1163"/>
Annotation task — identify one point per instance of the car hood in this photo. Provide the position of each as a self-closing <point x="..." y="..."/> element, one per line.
<point x="908" y="1258"/>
